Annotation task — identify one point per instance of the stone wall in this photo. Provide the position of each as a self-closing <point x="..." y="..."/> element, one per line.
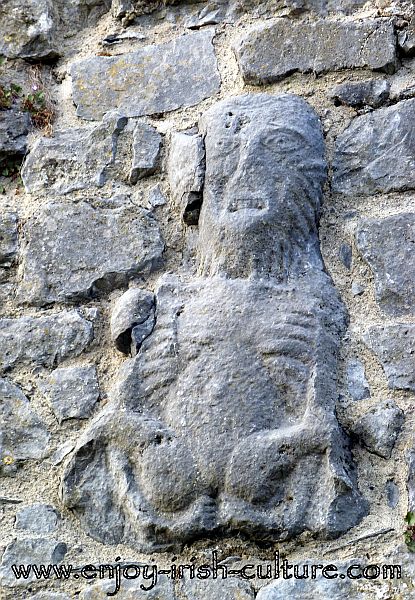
<point x="207" y="292"/>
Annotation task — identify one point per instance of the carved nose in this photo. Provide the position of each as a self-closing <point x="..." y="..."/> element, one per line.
<point x="247" y="187"/>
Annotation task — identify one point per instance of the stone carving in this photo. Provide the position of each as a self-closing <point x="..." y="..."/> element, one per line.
<point x="225" y="421"/>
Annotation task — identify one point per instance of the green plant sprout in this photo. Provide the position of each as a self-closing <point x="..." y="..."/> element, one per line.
<point x="410" y="531"/>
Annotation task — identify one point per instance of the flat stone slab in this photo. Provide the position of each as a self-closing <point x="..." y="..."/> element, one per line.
<point x="73" y="159"/>
<point x="29" y="551"/>
<point x="14" y="129"/>
<point x="8" y="238"/>
<point x="23" y="435"/>
<point x="376" y="154"/>
<point x="72" y="391"/>
<point x="379" y="428"/>
<point x="387" y="245"/>
<point x="153" y="79"/>
<point x="37" y="518"/>
<point x="74" y="250"/>
<point x="43" y="341"/>
<point x="270" y="52"/>
<point x="394" y="345"/>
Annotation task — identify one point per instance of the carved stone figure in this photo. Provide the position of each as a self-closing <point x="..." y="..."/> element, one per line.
<point x="224" y="422"/>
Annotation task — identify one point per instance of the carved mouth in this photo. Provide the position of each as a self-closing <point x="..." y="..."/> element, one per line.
<point x="247" y="204"/>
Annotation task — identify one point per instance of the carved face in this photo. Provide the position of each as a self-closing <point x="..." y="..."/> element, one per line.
<point x="264" y="172"/>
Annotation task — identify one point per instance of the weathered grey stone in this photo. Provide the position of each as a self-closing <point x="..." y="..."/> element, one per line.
<point x="387" y="246"/>
<point x="72" y="392"/>
<point x="14" y="128"/>
<point x="376" y="152"/>
<point x="132" y="319"/>
<point x="77" y="14"/>
<point x="272" y="51"/>
<point x="211" y="14"/>
<point x="217" y="589"/>
<point x="320" y="588"/>
<point x="357" y="384"/>
<point x="158" y="588"/>
<point x="45" y="340"/>
<point x="345" y="255"/>
<point x="406" y="39"/>
<point x="8" y="238"/>
<point x="392" y="493"/>
<point x="74" y="250"/>
<point x="29" y="551"/>
<point x="61" y="452"/>
<point x="394" y="345"/>
<point x="37" y="518"/>
<point x="357" y="288"/>
<point x="75" y="159"/>
<point x="225" y="420"/>
<point x="267" y="8"/>
<point x="156" y="197"/>
<point x="50" y="596"/>
<point x="146" y="151"/>
<point x="372" y="92"/>
<point x="410" y="484"/>
<point x="151" y="80"/>
<point x="22" y="434"/>
<point x="186" y="173"/>
<point x="379" y="427"/>
<point x="29" y="28"/>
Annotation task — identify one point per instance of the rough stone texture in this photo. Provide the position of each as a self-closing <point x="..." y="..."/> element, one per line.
<point x="376" y="152"/>
<point x="151" y="80"/>
<point x="146" y="151"/>
<point x="72" y="392"/>
<point x="372" y="92"/>
<point x="394" y="345"/>
<point x="14" y="128"/>
<point x="392" y="493"/>
<point x="387" y="246"/>
<point x="357" y="384"/>
<point x="225" y="420"/>
<point x="133" y="317"/>
<point x="37" y="518"/>
<point x="46" y="340"/>
<point x="49" y="596"/>
<point x="270" y="52"/>
<point x="8" y="238"/>
<point x="156" y="197"/>
<point x="410" y="484"/>
<point x="219" y="589"/>
<point x="73" y="251"/>
<point x="26" y="552"/>
<point x="186" y="174"/>
<point x="311" y="589"/>
<point x="406" y="39"/>
<point x="75" y="159"/>
<point x="22" y="434"/>
<point x="378" y="428"/>
<point x="29" y="28"/>
<point x="77" y="14"/>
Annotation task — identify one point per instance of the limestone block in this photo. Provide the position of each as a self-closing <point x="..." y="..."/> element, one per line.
<point x="74" y="250"/>
<point x="153" y="79"/>
<point x="271" y="51"/>
<point x="375" y="154"/>
<point x="387" y="246"/>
